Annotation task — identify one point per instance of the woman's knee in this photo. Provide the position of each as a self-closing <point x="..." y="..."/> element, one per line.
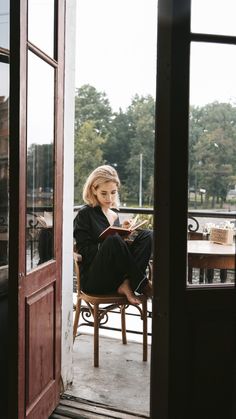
<point x="145" y="235"/>
<point x="114" y="240"/>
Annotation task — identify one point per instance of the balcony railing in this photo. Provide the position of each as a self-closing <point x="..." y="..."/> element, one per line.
<point x="196" y="220"/>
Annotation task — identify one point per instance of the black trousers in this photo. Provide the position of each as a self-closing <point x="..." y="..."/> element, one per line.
<point x="116" y="260"/>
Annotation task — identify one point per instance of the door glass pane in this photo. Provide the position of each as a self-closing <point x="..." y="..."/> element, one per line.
<point x="41" y="24"/>
<point x="213" y="16"/>
<point x="4" y="24"/>
<point x="4" y="212"/>
<point x="40" y="157"/>
<point x="4" y="176"/>
<point x="212" y="159"/>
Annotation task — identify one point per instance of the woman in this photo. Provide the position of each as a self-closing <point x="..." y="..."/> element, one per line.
<point x="111" y="265"/>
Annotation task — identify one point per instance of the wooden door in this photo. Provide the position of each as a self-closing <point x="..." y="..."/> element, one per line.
<point x="36" y="138"/>
<point x="194" y="327"/>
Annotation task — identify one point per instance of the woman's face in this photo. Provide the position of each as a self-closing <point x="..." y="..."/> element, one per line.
<point x="106" y="194"/>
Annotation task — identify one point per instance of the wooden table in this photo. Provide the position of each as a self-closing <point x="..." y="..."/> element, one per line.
<point x="204" y="254"/>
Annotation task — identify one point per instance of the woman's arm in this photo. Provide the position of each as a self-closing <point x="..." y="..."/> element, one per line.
<point x="86" y="242"/>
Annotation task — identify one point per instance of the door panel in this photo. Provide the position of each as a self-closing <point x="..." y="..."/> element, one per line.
<point x="39" y="338"/>
<point x="4" y="198"/>
<point x="37" y="124"/>
<point x="194" y="328"/>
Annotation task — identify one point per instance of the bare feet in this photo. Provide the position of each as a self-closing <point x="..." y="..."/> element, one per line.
<point x="126" y="290"/>
<point x="147" y="290"/>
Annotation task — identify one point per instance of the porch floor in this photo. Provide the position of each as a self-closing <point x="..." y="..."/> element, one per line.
<point x="122" y="380"/>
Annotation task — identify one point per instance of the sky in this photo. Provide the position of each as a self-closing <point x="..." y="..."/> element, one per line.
<point x="116" y="50"/>
<point x="116" y="47"/>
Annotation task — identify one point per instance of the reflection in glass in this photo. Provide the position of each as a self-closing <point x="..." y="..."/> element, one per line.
<point x="4" y="227"/>
<point x="4" y="24"/>
<point x="40" y="157"/>
<point x="213" y="17"/>
<point x="4" y="162"/>
<point x="41" y="25"/>
<point x="212" y="145"/>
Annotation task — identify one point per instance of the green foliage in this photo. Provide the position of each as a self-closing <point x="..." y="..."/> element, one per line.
<point x="92" y="123"/>
<point x="149" y="218"/>
<point x="88" y="155"/>
<point x="119" y="139"/>
<point x="91" y="105"/>
<point x="116" y="150"/>
<point x="116" y="139"/>
<point x="212" y="151"/>
<point x="141" y="114"/>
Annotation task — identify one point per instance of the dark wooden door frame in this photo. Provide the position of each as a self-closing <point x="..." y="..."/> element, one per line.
<point x="179" y="371"/>
<point x="17" y="187"/>
<point x="171" y="173"/>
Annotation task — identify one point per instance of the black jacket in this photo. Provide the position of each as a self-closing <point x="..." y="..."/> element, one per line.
<point x="88" y="225"/>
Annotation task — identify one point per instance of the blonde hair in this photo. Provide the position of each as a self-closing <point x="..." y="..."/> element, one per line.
<point x="101" y="174"/>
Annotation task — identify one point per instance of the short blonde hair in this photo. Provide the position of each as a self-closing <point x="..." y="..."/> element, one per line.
<point x="101" y="174"/>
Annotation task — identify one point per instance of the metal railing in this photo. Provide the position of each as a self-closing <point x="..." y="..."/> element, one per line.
<point x="195" y="224"/>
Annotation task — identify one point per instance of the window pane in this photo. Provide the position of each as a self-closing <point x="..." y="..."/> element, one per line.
<point x="4" y="227"/>
<point x="213" y="16"/>
<point x="4" y="173"/>
<point x="212" y="153"/>
<point x="40" y="151"/>
<point x="4" y="24"/>
<point x="41" y="24"/>
<point x="212" y="73"/>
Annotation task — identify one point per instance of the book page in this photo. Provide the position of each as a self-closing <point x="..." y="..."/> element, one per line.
<point x="120" y="230"/>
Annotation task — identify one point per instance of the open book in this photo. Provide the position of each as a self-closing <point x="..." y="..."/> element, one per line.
<point x="120" y="230"/>
<point x="45" y="220"/>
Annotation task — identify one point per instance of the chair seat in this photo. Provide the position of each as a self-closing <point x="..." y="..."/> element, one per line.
<point x="108" y="298"/>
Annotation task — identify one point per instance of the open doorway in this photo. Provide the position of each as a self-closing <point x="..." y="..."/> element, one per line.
<point x="115" y="125"/>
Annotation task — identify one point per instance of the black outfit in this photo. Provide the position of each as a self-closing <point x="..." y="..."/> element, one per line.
<point x="45" y="245"/>
<point x="105" y="264"/>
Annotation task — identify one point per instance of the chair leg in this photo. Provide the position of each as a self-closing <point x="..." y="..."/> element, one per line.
<point x="96" y="335"/>
<point x="123" y="324"/>
<point x="144" y="307"/>
<point x="77" y="315"/>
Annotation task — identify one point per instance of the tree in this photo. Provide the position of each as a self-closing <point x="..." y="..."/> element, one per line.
<point x="91" y="105"/>
<point x="141" y="114"/>
<point x="93" y="117"/>
<point x="116" y="150"/>
<point x="88" y="155"/>
<point x="215" y="172"/>
<point x="212" y="149"/>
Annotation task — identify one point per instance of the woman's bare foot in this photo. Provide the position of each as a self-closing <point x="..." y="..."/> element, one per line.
<point x="126" y="290"/>
<point x="147" y="289"/>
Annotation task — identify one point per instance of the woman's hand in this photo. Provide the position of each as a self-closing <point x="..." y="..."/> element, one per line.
<point x="130" y="223"/>
<point x="127" y="223"/>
